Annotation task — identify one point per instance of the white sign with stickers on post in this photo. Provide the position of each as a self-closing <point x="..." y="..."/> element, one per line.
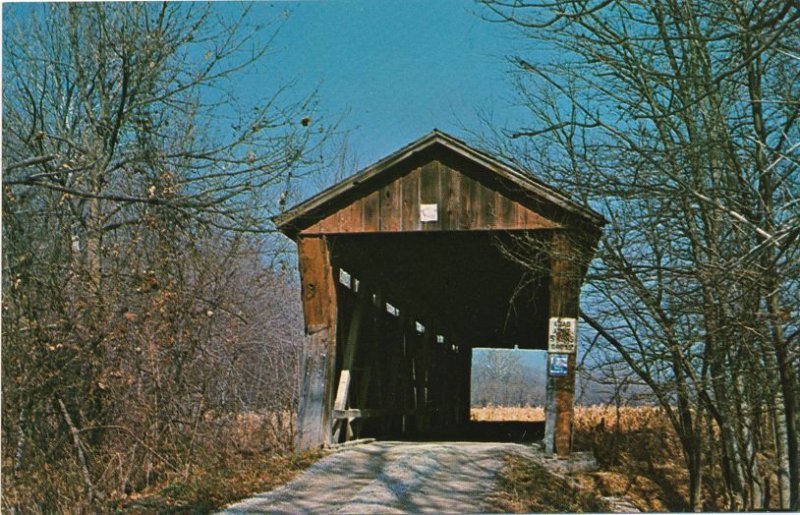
<point x="562" y="337"/>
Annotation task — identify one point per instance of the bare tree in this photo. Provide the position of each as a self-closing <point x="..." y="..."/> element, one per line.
<point x="678" y="120"/>
<point x="139" y="314"/>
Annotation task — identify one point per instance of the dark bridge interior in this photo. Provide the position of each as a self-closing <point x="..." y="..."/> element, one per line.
<point x="459" y="281"/>
<point x="410" y="308"/>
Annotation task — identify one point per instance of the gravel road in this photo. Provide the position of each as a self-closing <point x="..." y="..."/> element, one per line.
<point x="392" y="477"/>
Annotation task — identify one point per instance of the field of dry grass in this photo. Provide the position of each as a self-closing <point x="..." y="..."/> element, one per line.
<point x="507" y="414"/>
<point x="638" y="452"/>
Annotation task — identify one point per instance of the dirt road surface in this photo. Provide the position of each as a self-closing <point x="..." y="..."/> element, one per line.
<point x="392" y="477"/>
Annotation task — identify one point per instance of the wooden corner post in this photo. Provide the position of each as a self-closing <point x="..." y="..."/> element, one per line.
<point x="318" y="364"/>
<point x="564" y="291"/>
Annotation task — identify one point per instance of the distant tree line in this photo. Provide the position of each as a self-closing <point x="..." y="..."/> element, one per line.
<point x="500" y="378"/>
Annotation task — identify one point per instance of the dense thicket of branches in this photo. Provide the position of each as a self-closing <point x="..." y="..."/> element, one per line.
<point x="137" y="318"/>
<point x="679" y="121"/>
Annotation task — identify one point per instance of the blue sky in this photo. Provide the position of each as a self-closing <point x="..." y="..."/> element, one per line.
<point x="393" y="70"/>
<point x="389" y="71"/>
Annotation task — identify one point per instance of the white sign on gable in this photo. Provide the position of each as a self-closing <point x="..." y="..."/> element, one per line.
<point x="429" y="212"/>
<point x="563" y="335"/>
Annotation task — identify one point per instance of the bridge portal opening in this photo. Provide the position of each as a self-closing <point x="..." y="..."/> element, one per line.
<point x="508" y="385"/>
<point x="507" y="395"/>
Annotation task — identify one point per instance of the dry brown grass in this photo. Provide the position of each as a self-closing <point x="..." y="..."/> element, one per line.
<point x="250" y="453"/>
<point x="638" y="453"/>
<point x="231" y="457"/>
<point x="224" y="480"/>
<point x="507" y="414"/>
<point x="527" y="487"/>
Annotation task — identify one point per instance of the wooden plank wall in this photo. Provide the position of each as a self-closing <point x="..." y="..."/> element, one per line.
<point x="464" y="203"/>
<point x="318" y="363"/>
<point x="394" y="380"/>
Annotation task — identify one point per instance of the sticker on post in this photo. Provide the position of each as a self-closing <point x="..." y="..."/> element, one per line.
<point x="429" y="212"/>
<point x="559" y="365"/>
<point x="563" y="335"/>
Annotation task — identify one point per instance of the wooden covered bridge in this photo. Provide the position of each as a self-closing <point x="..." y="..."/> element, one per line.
<point x="403" y="274"/>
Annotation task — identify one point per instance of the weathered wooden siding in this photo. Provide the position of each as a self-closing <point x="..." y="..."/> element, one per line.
<point x="318" y="363"/>
<point x="463" y="203"/>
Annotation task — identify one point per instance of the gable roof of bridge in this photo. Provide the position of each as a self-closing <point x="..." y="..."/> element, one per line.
<point x="308" y="212"/>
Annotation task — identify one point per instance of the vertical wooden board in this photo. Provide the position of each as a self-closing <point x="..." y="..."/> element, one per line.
<point x="390" y="207"/>
<point x="342" y="391"/>
<point x="312" y="427"/>
<point x="450" y="193"/>
<point x="410" y="204"/>
<point x="368" y="361"/>
<point x="506" y="216"/>
<point x="479" y="207"/>
<point x="395" y="341"/>
<point x="534" y="220"/>
<point x="466" y="215"/>
<point x="330" y="223"/>
<point x="429" y="183"/>
<point x="429" y="192"/>
<point x="354" y="331"/>
<point x="397" y="206"/>
<point x="322" y="226"/>
<point x="564" y="408"/>
<point x="525" y="217"/>
<point x="409" y="337"/>
<point x="342" y="221"/>
<point x="371" y="211"/>
<point x="379" y="370"/>
<point x="409" y="364"/>
<point x="314" y="266"/>
<point x="330" y="374"/>
<point x="423" y="372"/>
<point x="435" y="383"/>
<point x="490" y="198"/>
<point x="485" y="207"/>
<point x="350" y="218"/>
<point x="358" y="214"/>
<point x="519" y="211"/>
<point x="319" y="309"/>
